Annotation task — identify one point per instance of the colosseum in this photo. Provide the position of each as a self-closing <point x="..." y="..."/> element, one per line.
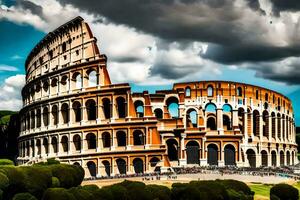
<point x="72" y="112"/>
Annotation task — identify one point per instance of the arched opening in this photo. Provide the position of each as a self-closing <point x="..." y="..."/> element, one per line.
<point x="92" y="78"/>
<point x="279" y="126"/>
<point x="192" y="152"/>
<point x="54" y="144"/>
<point x="187" y="92"/>
<point x="45" y="116"/>
<point x="121" y="105"/>
<point x="91" y="109"/>
<point x="293" y="157"/>
<point x="138" y="138"/>
<point x="265" y="124"/>
<point x="210" y="91"/>
<point x="65" y="143"/>
<point x="38" y="118"/>
<point x="77" y="111"/>
<point x="45" y="86"/>
<point x="281" y="158"/>
<point x="65" y="113"/>
<point x="54" y="85"/>
<point x="64" y="84"/>
<point x="211" y="123"/>
<point x="274" y="158"/>
<point x="251" y="156"/>
<point x="139" y="108"/>
<point x="288" y="158"/>
<point x="106" y="140"/>
<point x="239" y="92"/>
<point x="78" y="80"/>
<point x="138" y="165"/>
<point x="173" y="107"/>
<point x="191" y="118"/>
<point x="91" y="140"/>
<point x="172" y="146"/>
<point x="226" y="123"/>
<point x="229" y="155"/>
<point x="121" y="138"/>
<point x="76" y="164"/>
<point x="64" y="47"/>
<point x="106" y="165"/>
<point x="264" y="158"/>
<point x="77" y="142"/>
<point x="92" y="168"/>
<point x="46" y="145"/>
<point x="32" y="120"/>
<point x="158" y="113"/>
<point x="106" y="108"/>
<point x="210" y="108"/>
<point x="273" y="125"/>
<point x="154" y="161"/>
<point x="256" y="123"/>
<point x="121" y="164"/>
<point x="54" y="114"/>
<point x="38" y="145"/>
<point x="212" y="154"/>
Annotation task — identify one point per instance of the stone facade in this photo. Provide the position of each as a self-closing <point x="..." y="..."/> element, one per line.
<point x="74" y="113"/>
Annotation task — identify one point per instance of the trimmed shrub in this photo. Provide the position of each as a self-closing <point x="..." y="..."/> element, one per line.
<point x="159" y="192"/>
<point x="81" y="194"/>
<point x="213" y="189"/>
<point x="57" y="194"/>
<point x="136" y="190"/>
<point x="6" y="162"/>
<point x="118" y="192"/>
<point x="68" y="175"/>
<point x="24" y="196"/>
<point x="284" y="192"/>
<point x="91" y="187"/>
<point x="237" y="186"/>
<point x="187" y="191"/>
<point x="4" y="182"/>
<point x="52" y="161"/>
<point x="55" y="182"/>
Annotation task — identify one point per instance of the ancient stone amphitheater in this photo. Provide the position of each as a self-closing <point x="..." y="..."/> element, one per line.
<point x="72" y="112"/>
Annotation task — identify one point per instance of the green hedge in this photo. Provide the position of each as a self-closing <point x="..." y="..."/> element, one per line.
<point x="6" y="162"/>
<point x="284" y="192"/>
<point x="24" y="196"/>
<point x="58" y="194"/>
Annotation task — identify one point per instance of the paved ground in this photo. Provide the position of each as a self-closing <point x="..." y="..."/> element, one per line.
<point x="189" y="177"/>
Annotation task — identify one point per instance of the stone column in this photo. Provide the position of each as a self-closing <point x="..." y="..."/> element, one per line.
<point x="235" y="120"/>
<point x="182" y="160"/>
<point x="246" y="126"/>
<point x="220" y="121"/>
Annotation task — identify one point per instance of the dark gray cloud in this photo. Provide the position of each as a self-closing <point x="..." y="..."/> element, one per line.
<point x="235" y="33"/>
<point x="28" y="5"/>
<point x="285" y="5"/>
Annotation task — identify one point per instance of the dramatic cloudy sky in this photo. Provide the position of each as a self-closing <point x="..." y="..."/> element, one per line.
<point x="154" y="43"/>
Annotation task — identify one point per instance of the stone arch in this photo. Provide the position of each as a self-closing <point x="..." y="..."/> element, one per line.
<point x="265" y="123"/>
<point x="121" y="165"/>
<point x="121" y="107"/>
<point x="281" y="154"/>
<point x="77" y="78"/>
<point x="188" y="92"/>
<point x="172" y="149"/>
<point x="273" y="120"/>
<point x="251" y="156"/>
<point x="45" y="86"/>
<point x="158" y="113"/>
<point x="173" y="107"/>
<point x="212" y="154"/>
<point x="54" y="83"/>
<point x="92" y="168"/>
<point x="239" y="92"/>
<point x="210" y="90"/>
<point x="210" y="108"/>
<point x="92" y="78"/>
<point x="154" y="161"/>
<point x="32" y="119"/>
<point x="91" y="141"/>
<point x="138" y="165"/>
<point x="91" y="109"/>
<point x="106" y="140"/>
<point x="256" y="123"/>
<point x="226" y="122"/>
<point x="279" y="126"/>
<point x="65" y="113"/>
<point x="65" y="143"/>
<point x="38" y="145"/>
<point x="121" y="138"/>
<point x="229" y="155"/>
<point x="77" y="142"/>
<point x="192" y="152"/>
<point x="54" y="112"/>
<point x="64" y="83"/>
<point x="211" y="123"/>
<point x="54" y="144"/>
<point x="106" y="165"/>
<point x="274" y="158"/>
<point x="106" y="108"/>
<point x="288" y="158"/>
<point x="139" y="108"/>
<point x="38" y="118"/>
<point x="264" y="158"/>
<point x="77" y="111"/>
<point x="138" y="137"/>
<point x="293" y="158"/>
<point x="241" y="117"/>
<point x="45" y="116"/>
<point x="191" y="118"/>
<point x="46" y="145"/>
